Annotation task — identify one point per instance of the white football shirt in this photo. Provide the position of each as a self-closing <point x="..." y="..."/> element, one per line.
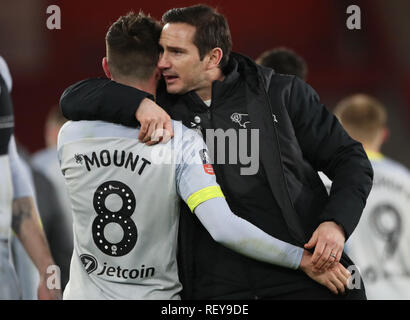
<point x="125" y="206"/>
<point x="380" y="244"/>
<point x="125" y="243"/>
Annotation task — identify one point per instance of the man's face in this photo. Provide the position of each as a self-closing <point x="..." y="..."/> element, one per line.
<point x="179" y="63"/>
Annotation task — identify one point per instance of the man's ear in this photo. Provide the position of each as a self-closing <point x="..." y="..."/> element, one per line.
<point x="157" y="74"/>
<point x="386" y="134"/>
<point x="105" y="68"/>
<point x="214" y="58"/>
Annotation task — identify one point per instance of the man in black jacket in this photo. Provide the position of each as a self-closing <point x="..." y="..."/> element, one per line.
<point x="208" y="87"/>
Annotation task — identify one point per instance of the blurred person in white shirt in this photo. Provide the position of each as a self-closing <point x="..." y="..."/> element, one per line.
<point x="380" y="245"/>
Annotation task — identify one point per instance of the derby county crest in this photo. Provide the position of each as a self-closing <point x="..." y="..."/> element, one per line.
<point x="240" y="118"/>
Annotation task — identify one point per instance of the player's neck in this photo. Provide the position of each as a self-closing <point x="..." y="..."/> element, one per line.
<point x="149" y="86"/>
<point x="371" y="148"/>
<point x="374" y="145"/>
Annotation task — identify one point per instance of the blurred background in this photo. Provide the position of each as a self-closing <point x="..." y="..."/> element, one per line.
<point x="374" y="60"/>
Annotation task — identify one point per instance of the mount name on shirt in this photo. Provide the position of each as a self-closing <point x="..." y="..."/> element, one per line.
<point x="105" y="158"/>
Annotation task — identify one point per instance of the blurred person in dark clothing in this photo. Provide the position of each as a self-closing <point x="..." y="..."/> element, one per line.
<point x="46" y="162"/>
<point x="285" y="61"/>
<point x="45" y="165"/>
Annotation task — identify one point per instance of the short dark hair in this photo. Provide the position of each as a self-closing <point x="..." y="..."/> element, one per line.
<point x="132" y="45"/>
<point x="284" y="61"/>
<point x="212" y="30"/>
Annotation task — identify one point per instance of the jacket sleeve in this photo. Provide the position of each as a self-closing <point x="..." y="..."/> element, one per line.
<point x="328" y="148"/>
<point x="102" y="99"/>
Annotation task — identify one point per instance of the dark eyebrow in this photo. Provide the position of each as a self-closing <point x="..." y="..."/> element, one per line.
<point x="176" y="49"/>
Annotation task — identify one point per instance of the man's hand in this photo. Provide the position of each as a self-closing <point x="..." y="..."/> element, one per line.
<point x="44" y="293"/>
<point x="335" y="278"/>
<point x="328" y="240"/>
<point x="155" y="123"/>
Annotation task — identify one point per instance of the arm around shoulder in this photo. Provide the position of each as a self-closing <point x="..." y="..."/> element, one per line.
<point x="102" y="99"/>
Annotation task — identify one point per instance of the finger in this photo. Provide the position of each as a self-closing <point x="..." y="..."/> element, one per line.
<point x="330" y="261"/>
<point x="167" y="130"/>
<point x="335" y="260"/>
<point x="331" y="287"/>
<point x="338" y="256"/>
<point x="345" y="275"/>
<point x="154" y="141"/>
<point x="150" y="132"/>
<point x="168" y="127"/>
<point x="167" y="136"/>
<point x="151" y="143"/>
<point x="158" y="133"/>
<point x="339" y="272"/>
<point x="326" y="259"/>
<point x="320" y="247"/>
<point x="342" y="277"/>
<point x="323" y="258"/>
<point x="143" y="131"/>
<point x="312" y="242"/>
<point x="339" y="284"/>
<point x="344" y="270"/>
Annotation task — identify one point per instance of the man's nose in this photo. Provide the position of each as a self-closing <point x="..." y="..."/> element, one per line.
<point x="163" y="62"/>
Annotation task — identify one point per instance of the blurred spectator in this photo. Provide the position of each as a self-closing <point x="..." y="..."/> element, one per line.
<point x="380" y="245"/>
<point x="284" y="61"/>
<point x="27" y="275"/>
<point x="46" y="162"/>
<point x="47" y="175"/>
<point x="18" y="211"/>
<point x="55" y="228"/>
